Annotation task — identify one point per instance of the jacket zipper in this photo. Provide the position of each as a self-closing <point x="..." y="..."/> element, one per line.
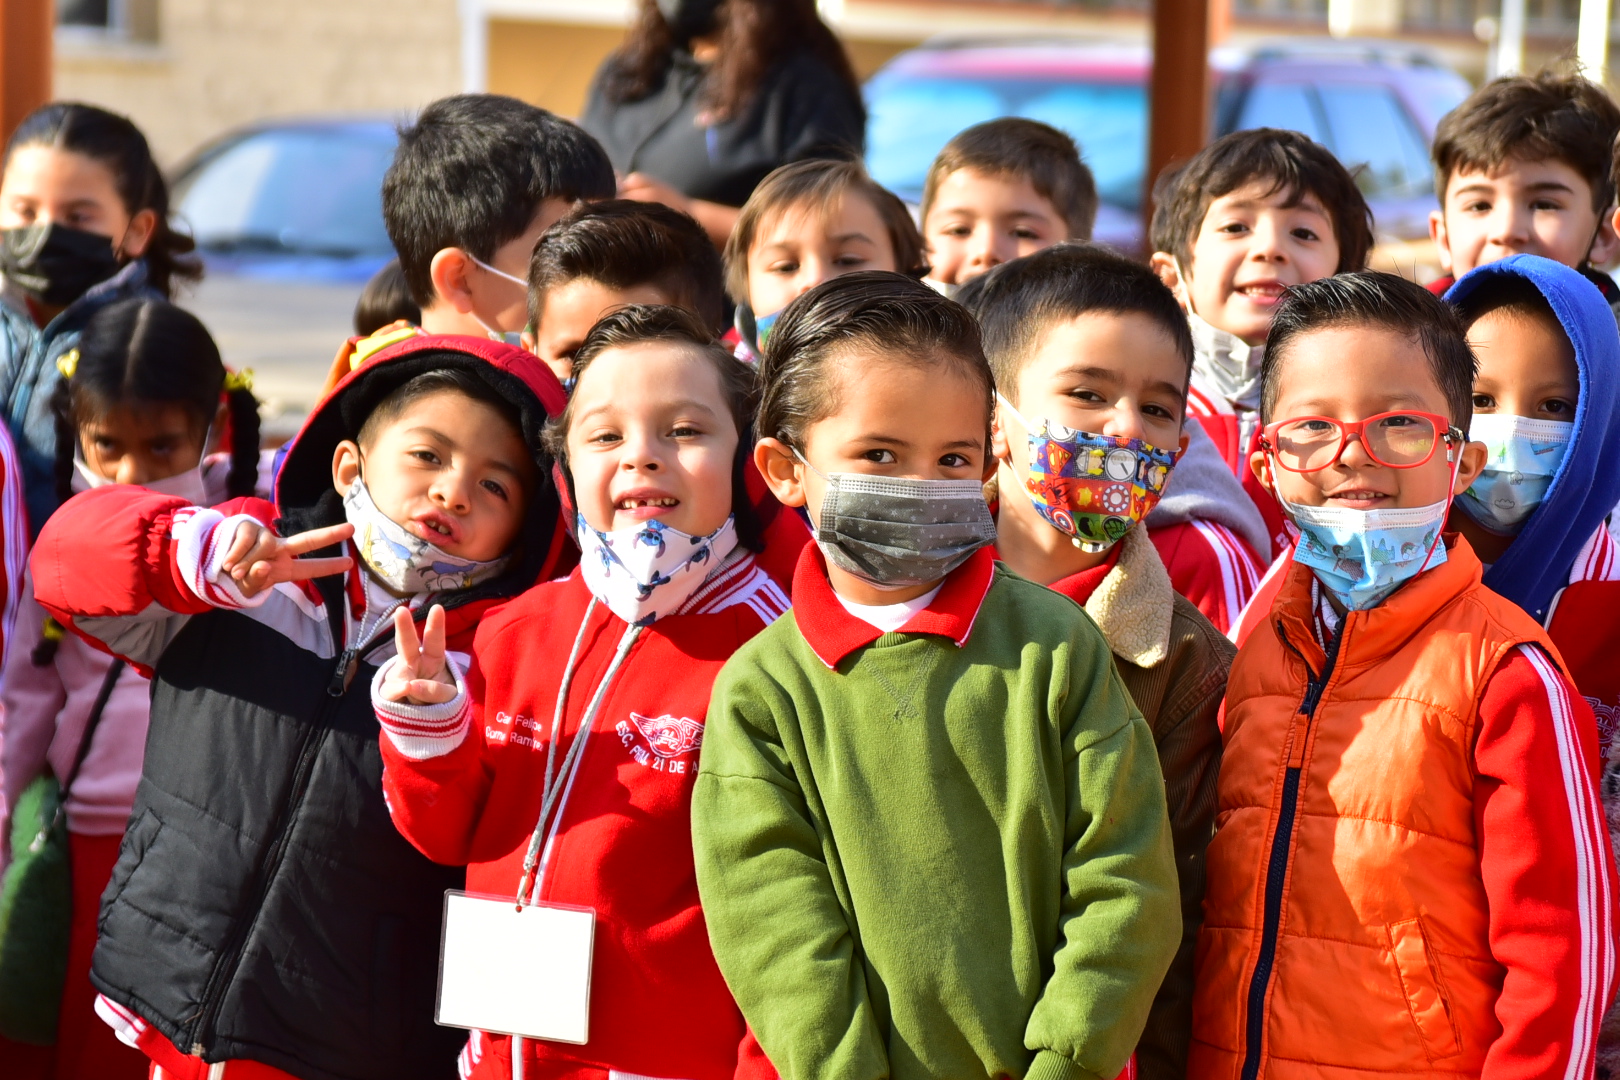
<point x="343" y="667"/>
<point x="1277" y="863"/>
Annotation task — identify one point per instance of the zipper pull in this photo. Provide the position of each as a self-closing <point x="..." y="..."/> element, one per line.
<point x="343" y="673"/>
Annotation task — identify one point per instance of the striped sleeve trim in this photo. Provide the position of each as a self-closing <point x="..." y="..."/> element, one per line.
<point x="1597" y="560"/>
<point x="422" y="732"/>
<point x="740" y="581"/>
<point x="1240" y="575"/>
<point x="1592" y="899"/>
<point x="202" y="538"/>
<point x="126" y="1025"/>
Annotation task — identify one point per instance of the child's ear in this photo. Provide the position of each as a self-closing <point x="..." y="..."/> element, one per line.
<point x="1442" y="244"/>
<point x="1000" y="448"/>
<point x="1257" y="465"/>
<point x="1606" y="244"/>
<point x="1475" y="456"/>
<point x="530" y="344"/>
<point x="776" y="463"/>
<point x="448" y="271"/>
<point x="1185" y="438"/>
<point x="1164" y="264"/>
<point x="345" y="466"/>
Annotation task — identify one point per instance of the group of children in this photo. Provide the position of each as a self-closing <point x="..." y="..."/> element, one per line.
<point x="883" y="681"/>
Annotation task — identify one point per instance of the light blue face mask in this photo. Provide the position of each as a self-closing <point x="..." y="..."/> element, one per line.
<point x="1525" y="455"/>
<point x="1362" y="556"/>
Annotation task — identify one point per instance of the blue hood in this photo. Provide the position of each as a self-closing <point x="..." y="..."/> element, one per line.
<point x="1587" y="485"/>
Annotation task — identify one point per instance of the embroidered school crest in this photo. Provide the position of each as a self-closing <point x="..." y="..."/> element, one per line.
<point x="665" y="740"/>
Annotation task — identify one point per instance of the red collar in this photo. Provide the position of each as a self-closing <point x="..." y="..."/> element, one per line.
<point x="834" y="633"/>
<point x="1079" y="587"/>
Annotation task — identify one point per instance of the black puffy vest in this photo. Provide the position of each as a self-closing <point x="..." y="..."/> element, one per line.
<point x="263" y="906"/>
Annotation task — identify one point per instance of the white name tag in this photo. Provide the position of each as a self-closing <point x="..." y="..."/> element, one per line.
<point x="516" y="972"/>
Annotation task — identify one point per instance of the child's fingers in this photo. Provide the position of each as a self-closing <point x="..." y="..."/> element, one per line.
<point x="304" y="569"/>
<point x="315" y="539"/>
<point x="405" y="642"/>
<point x="246" y="538"/>
<point x="430" y="691"/>
<point x="433" y="637"/>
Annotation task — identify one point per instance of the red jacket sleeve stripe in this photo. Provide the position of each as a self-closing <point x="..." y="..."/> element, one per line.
<point x="1547" y="870"/>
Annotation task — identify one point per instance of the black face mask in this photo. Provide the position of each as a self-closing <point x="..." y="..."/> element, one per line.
<point x="55" y="264"/>
<point x="689" y="19"/>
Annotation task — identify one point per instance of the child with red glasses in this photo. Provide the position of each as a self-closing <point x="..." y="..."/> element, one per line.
<point x="1407" y="795"/>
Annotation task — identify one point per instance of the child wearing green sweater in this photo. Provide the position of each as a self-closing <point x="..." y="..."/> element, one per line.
<point x="929" y="822"/>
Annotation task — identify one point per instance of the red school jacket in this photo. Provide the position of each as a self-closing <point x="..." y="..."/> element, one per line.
<point x="467" y="789"/>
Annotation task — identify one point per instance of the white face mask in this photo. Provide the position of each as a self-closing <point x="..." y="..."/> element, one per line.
<point x="509" y="337"/>
<point x="647" y="571"/>
<point x="186" y="485"/>
<point x="1228" y="361"/>
<point x="405" y="563"/>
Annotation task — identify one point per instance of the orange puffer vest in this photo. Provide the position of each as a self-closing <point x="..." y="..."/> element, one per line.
<point x="1345" y="922"/>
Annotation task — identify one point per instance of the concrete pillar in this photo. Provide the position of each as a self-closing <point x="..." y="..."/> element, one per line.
<point x="1510" y="39"/>
<point x="1179" y="91"/>
<point x="25" y="59"/>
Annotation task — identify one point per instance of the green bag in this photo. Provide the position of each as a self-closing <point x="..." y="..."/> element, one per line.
<point x="36" y="899"/>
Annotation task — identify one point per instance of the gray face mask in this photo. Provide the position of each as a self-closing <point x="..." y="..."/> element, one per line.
<point x="893" y="532"/>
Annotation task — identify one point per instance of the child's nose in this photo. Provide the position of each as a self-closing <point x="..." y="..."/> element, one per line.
<point x="1125" y="423"/>
<point x="129" y="471"/>
<point x="984" y="248"/>
<point x="1267" y="244"/>
<point x="453" y="492"/>
<point x="1509" y="223"/>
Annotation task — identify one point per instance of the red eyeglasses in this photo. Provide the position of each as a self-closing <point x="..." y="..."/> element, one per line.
<point x="1398" y="440"/>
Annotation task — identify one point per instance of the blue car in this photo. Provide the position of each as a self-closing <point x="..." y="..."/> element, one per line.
<point x="1375" y="105"/>
<point x="297" y="200"/>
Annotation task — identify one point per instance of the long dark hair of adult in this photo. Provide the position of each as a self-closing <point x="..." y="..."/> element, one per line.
<point x="119" y="145"/>
<point x="755" y="36"/>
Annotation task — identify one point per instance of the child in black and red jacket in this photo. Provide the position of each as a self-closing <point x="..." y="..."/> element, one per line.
<point x="608" y="672"/>
<point x="264" y="912"/>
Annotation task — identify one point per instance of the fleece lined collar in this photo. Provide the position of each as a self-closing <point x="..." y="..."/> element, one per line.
<point x="1130" y="598"/>
<point x="834" y="633"/>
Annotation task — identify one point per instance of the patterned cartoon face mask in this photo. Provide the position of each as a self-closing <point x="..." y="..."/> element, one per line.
<point x="402" y="561"/>
<point x="1093" y="488"/>
<point x="1525" y="455"/>
<point x="647" y="571"/>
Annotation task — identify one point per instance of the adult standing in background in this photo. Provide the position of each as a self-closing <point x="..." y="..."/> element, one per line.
<point x="706" y="97"/>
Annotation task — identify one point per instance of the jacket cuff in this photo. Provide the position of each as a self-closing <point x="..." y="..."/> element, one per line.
<point x="1051" y="1065"/>
<point x="421" y="732"/>
<point x="202" y="538"/>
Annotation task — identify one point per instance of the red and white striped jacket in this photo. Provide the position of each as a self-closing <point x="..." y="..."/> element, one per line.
<point x="464" y="784"/>
<point x="1237" y="436"/>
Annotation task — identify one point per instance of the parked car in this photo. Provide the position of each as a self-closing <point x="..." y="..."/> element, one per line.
<point x="291" y="200"/>
<point x="1375" y="105"/>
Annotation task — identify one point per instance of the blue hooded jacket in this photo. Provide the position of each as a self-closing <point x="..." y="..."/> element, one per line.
<point x="1587" y="485"/>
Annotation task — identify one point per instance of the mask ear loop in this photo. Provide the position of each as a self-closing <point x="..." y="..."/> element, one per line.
<point x="1456" y="467"/>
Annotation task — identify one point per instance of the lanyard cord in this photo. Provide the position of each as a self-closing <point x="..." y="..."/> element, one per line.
<point x="555" y="784"/>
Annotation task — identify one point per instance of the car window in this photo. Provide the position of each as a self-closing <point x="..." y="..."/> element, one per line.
<point x="911" y="119"/>
<point x="1370" y="127"/>
<point x="297" y="190"/>
<point x="1282" y="105"/>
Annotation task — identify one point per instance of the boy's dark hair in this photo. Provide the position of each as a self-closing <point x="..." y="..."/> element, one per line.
<point x="891" y="315"/>
<point x="820" y="184"/>
<point x="456" y="380"/>
<point x="1286" y="160"/>
<point x="1551" y="115"/>
<point x="119" y="145"/>
<point x="385" y="300"/>
<point x="472" y="171"/>
<point x="148" y="352"/>
<point x="638" y="324"/>
<point x="1029" y="150"/>
<point x="1377" y="299"/>
<point x="621" y="244"/>
<point x="1017" y="302"/>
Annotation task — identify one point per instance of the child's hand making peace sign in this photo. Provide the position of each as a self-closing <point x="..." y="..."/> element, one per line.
<point x="259" y="559"/>
<point x="420" y="675"/>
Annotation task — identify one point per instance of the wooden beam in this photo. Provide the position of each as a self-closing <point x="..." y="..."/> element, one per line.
<point x="1179" y="90"/>
<point x="25" y="59"/>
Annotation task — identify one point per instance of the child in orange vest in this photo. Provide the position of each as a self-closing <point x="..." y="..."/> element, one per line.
<point x="1411" y="873"/>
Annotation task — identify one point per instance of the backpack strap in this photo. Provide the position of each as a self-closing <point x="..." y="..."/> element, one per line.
<point x="102" y="697"/>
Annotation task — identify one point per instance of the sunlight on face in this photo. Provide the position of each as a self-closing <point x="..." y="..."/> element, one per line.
<point x="978" y="221"/>
<point x="800" y="247"/>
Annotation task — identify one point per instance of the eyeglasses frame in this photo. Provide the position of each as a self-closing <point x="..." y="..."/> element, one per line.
<point x="1450" y="435"/>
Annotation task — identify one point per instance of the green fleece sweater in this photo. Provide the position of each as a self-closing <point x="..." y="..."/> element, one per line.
<point x="937" y="861"/>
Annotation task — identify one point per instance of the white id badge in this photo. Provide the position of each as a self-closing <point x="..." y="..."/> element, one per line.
<point x="516" y="972"/>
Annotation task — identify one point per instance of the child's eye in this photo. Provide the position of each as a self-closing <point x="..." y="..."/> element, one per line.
<point x="850" y="260"/>
<point x="605" y="438"/>
<point x="1090" y="397"/>
<point x="1303" y="233"/>
<point x="782" y="268"/>
<point x="957" y="231"/>
<point x="103" y="445"/>
<point x="1476" y="206"/>
<point x="427" y="457"/>
<point x="1557" y="406"/>
<point x="1483" y="402"/>
<point x="955" y="461"/>
<point x="685" y="431"/>
<point x="1158" y="411"/>
<point x="495" y="489"/>
<point x="1233" y="227"/>
<point x="879" y="457"/>
<point x="1545" y="204"/>
<point x="1024" y="232"/>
